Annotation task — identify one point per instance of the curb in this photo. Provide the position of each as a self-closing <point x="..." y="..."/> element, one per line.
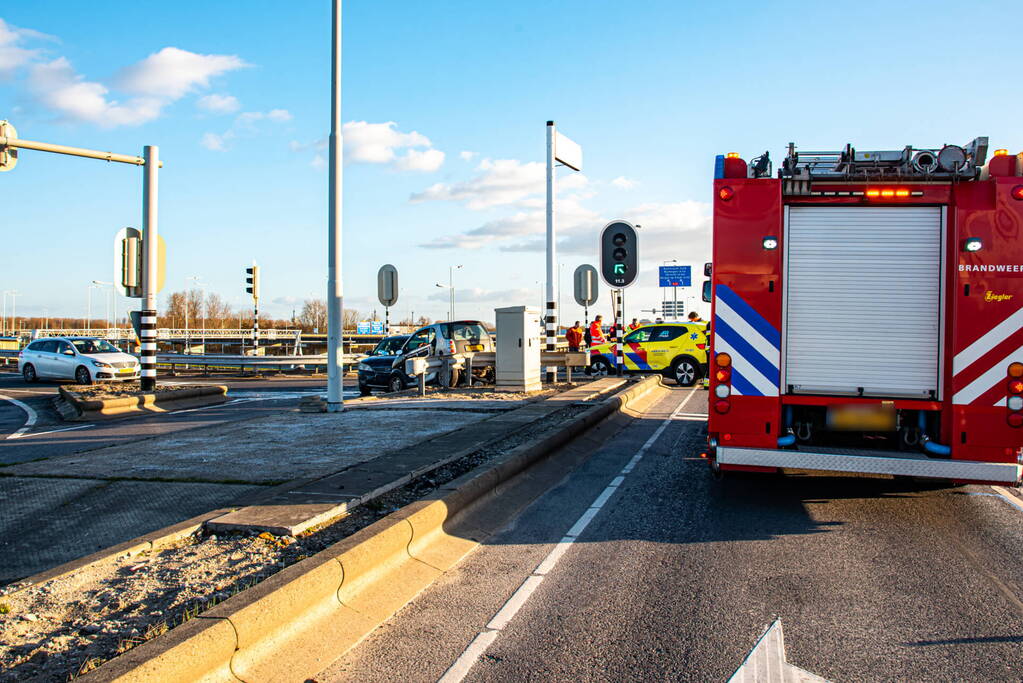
<point x="74" y="409"/>
<point x="298" y="621"/>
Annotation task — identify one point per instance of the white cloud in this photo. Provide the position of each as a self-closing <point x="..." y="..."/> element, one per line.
<point x="467" y="156"/>
<point x="172" y="73"/>
<point x="502" y="182"/>
<point x="212" y="141"/>
<point x="219" y="104"/>
<point x="155" y="82"/>
<point x="318" y="162"/>
<point x="56" y="86"/>
<point x="11" y="55"/>
<point x="623" y="183"/>
<point x="245" y="125"/>
<point x="380" y="143"/>
<point x="415" y="160"/>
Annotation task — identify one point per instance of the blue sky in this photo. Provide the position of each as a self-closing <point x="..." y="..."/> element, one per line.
<point x="446" y="104"/>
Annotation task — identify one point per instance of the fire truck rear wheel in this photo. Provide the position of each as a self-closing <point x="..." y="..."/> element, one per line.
<point x="685" y="371"/>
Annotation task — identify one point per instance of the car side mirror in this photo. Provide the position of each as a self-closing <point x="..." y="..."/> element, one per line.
<point x="68" y="352"/>
<point x="706" y="291"/>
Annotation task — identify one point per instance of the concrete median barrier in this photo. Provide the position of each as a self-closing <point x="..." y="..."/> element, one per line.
<point x="295" y="623"/>
<point x="74" y="408"/>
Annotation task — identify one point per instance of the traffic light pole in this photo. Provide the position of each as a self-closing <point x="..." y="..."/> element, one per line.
<point x="150" y="257"/>
<point x="619" y="344"/>
<point x="551" y="320"/>
<point x="150" y="163"/>
<point x="335" y="399"/>
<point x="255" y="326"/>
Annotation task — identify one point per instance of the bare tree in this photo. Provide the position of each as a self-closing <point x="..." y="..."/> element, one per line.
<point x="313" y="315"/>
<point x="349" y="318"/>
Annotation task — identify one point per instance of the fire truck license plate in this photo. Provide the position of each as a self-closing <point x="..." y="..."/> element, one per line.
<point x="858" y="417"/>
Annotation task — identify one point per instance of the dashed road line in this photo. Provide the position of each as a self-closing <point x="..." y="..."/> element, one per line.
<point x="483" y="640"/>
<point x="28" y="423"/>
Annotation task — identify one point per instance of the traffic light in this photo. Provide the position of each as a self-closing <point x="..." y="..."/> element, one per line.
<point x="619" y="263"/>
<point x="252" y="280"/>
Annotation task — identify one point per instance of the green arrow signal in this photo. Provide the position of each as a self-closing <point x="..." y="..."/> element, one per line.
<point x="619" y="269"/>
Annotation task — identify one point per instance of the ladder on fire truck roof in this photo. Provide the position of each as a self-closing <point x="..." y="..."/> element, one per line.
<point x="949" y="162"/>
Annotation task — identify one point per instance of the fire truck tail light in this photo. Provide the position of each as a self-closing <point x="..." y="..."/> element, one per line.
<point x="1015" y="403"/>
<point x="723" y="360"/>
<point x="726" y="193"/>
<point x="1015" y="369"/>
<point x="1017" y="193"/>
<point x="721" y="407"/>
<point x="901" y="193"/>
<point x="722" y="391"/>
<point x="1016" y="386"/>
<point x="723" y="375"/>
<point x="887" y="193"/>
<point x="1016" y="419"/>
<point x="873" y="193"/>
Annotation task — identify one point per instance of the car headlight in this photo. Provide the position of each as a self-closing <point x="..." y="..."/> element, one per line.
<point x="365" y="367"/>
<point x="101" y="364"/>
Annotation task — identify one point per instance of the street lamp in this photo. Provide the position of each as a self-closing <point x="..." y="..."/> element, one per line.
<point x="451" y="291"/>
<point x="205" y="309"/>
<point x="14" y="310"/>
<point x="110" y="300"/>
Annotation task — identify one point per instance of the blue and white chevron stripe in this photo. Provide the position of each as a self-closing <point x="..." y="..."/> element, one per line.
<point x="753" y="343"/>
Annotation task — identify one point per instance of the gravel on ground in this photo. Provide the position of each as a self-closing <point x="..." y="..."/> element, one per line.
<point x="123" y="390"/>
<point x="70" y="625"/>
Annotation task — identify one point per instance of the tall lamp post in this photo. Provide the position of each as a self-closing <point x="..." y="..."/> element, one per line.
<point x="205" y="310"/>
<point x="111" y="304"/>
<point x="13" y="326"/>
<point x="335" y="398"/>
<point x="451" y="291"/>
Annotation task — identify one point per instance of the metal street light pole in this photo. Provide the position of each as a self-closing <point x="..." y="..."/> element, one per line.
<point x="451" y="286"/>
<point x="110" y="299"/>
<point x="335" y="399"/>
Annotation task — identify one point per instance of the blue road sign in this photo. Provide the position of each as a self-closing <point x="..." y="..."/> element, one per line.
<point x="676" y="276"/>
<point x="363" y="327"/>
<point x="376" y="327"/>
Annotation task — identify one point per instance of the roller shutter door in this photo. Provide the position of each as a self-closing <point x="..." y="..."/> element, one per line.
<point x="863" y="300"/>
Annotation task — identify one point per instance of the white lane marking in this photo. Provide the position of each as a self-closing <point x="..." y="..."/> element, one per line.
<point x="1008" y="496"/>
<point x="463" y="665"/>
<point x="28" y="423"/>
<point x="54" y="431"/>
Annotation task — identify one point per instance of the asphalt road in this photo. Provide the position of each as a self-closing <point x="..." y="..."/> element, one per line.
<point x="677" y="575"/>
<point x="31" y="429"/>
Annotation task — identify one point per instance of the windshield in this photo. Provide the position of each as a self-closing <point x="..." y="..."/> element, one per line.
<point x="94" y="346"/>
<point x="389" y="346"/>
<point x="469" y="331"/>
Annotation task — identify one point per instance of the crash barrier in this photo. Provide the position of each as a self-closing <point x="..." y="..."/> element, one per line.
<point x="207" y="361"/>
<point x="9" y="355"/>
<point x="421" y="367"/>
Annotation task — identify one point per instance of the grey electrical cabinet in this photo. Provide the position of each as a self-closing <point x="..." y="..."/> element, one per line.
<point x="518" y="348"/>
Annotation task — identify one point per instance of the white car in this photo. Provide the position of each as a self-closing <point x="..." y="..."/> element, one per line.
<point x="83" y="359"/>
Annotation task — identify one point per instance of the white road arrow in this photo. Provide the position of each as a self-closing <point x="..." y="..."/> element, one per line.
<point x="766" y="662"/>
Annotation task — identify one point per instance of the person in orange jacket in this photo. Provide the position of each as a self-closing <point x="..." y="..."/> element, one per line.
<point x="596" y="334"/>
<point x="574" y="337"/>
<point x="633" y="325"/>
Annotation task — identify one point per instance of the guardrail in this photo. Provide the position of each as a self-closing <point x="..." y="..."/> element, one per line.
<point x="8" y="355"/>
<point x="207" y="361"/>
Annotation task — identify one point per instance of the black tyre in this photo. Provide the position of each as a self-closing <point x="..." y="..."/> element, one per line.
<point x="29" y="373"/>
<point x="456" y="375"/>
<point x="395" y="383"/>
<point x="364" y="390"/>
<point x="685" y="371"/>
<point x="82" y="375"/>
<point x="600" y="368"/>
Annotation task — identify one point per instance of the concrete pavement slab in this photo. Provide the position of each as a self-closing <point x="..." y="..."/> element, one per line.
<point x="47" y="521"/>
<point x="272" y="449"/>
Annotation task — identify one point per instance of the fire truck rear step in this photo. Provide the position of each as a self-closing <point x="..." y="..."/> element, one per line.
<point x="871" y="462"/>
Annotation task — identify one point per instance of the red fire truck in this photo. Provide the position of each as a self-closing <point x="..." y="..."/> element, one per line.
<point x="868" y="313"/>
